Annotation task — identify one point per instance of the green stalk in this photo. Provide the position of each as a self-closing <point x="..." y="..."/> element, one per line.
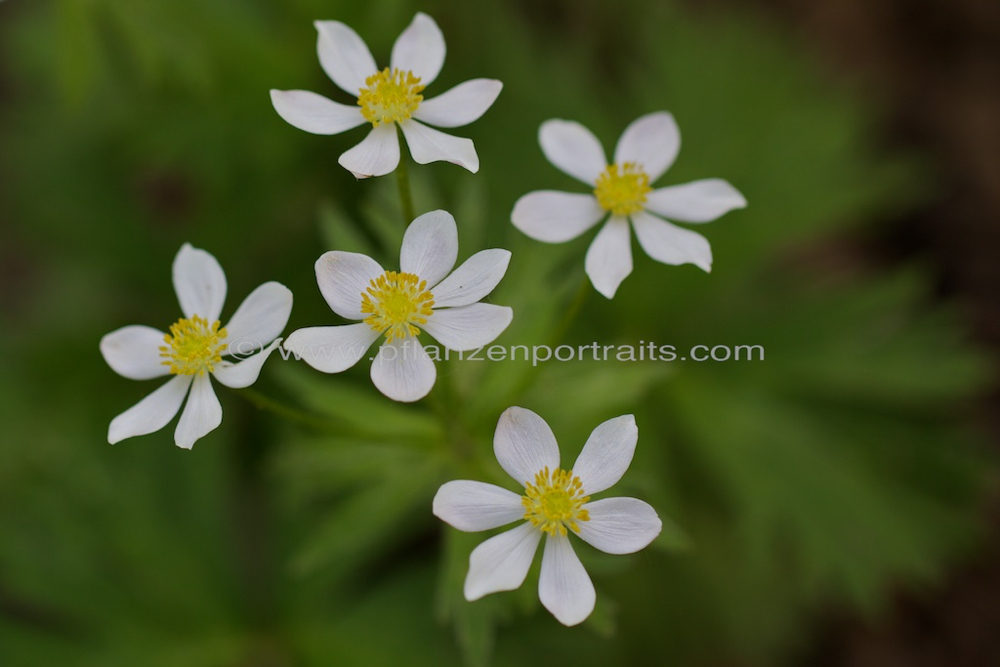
<point x="405" y="194"/>
<point x="558" y="334"/>
<point x="279" y="409"/>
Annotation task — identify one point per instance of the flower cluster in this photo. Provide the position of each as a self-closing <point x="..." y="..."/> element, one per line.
<point x="427" y="294"/>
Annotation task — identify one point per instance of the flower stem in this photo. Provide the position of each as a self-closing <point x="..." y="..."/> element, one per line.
<point x="572" y="310"/>
<point x="405" y="195"/>
<point x="251" y="519"/>
<point x="444" y="402"/>
<point x="278" y="408"/>
<point x="562" y="328"/>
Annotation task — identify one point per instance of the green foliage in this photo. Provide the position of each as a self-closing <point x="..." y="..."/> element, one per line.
<point x="838" y="466"/>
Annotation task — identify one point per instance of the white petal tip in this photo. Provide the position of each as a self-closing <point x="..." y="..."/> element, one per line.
<point x="572" y="620"/>
<point x="478" y="593"/>
<point x="472" y="595"/>
<point x="407" y="399"/>
<point x="472" y="165"/>
<point x="606" y="293"/>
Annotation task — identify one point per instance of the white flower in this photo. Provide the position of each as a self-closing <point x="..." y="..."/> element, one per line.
<point x="622" y="189"/>
<point x="196" y="344"/>
<point x="555" y="502"/>
<point x="400" y="304"/>
<point x="388" y="97"/>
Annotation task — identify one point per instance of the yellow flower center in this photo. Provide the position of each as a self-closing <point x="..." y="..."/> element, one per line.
<point x="193" y="346"/>
<point x="395" y="302"/>
<point x="622" y="188"/>
<point x="555" y="501"/>
<point x="390" y="95"/>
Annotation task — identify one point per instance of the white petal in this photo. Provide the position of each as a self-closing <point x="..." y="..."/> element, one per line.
<point x="376" y="155"/>
<point x="573" y="149"/>
<point x="315" y="113"/>
<point x="403" y="371"/>
<point x="243" y="373"/>
<point x="331" y="349"/>
<point x="501" y="563"/>
<point x="468" y="327"/>
<point x="474" y="279"/>
<point x="555" y="217"/>
<point x="151" y="413"/>
<point x="524" y="444"/>
<point x="344" y="56"/>
<point x="620" y="525"/>
<point x="461" y="105"/>
<point x="260" y="319"/>
<point x="420" y="49"/>
<point x="342" y="278"/>
<point x="564" y="587"/>
<point x="651" y="141"/>
<point x="199" y="282"/>
<point x="134" y="352"/>
<point x="201" y="415"/>
<point x="607" y="454"/>
<point x="698" y="201"/>
<point x="671" y="244"/>
<point x="472" y="506"/>
<point x="609" y="257"/>
<point x="430" y="247"/>
<point x="430" y="145"/>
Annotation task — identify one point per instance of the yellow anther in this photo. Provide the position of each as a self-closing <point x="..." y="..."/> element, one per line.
<point x="555" y="501"/>
<point x="622" y="188"/>
<point x="395" y="302"/>
<point x="193" y="346"/>
<point x="389" y="96"/>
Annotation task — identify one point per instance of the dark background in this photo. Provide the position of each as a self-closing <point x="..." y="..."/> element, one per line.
<point x="936" y="67"/>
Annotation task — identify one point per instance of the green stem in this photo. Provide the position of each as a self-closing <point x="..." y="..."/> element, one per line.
<point x="405" y="195"/>
<point x="569" y="315"/>
<point x="251" y="521"/>
<point x="445" y="404"/>
<point x="263" y="402"/>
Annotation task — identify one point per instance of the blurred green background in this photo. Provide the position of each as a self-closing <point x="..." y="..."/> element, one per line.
<point x="842" y="468"/>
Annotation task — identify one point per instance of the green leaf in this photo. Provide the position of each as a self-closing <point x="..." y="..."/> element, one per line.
<point x="368" y="521"/>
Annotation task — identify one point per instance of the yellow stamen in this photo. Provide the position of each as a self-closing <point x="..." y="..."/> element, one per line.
<point x="193" y="346"/>
<point x="389" y="96"/>
<point x="622" y="188"/>
<point x="395" y="302"/>
<point x="555" y="501"/>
